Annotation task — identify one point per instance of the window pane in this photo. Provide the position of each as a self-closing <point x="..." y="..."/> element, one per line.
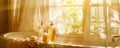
<point x="73" y="16"/>
<point x="68" y="21"/>
<point x="67" y="17"/>
<point x="97" y="23"/>
<point x="114" y="20"/>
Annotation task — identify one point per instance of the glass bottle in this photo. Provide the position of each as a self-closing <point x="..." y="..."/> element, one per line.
<point x="45" y="37"/>
<point x="40" y="31"/>
<point x="51" y="33"/>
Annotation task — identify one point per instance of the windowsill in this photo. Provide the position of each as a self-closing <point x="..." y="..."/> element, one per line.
<point x="61" y="46"/>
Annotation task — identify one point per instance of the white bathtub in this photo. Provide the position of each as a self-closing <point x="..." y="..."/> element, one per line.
<point x="16" y="40"/>
<point x="19" y="35"/>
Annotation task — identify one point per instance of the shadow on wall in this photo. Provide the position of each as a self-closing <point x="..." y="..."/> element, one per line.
<point x="3" y="16"/>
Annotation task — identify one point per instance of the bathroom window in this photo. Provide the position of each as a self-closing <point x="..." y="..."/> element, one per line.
<point x="99" y="24"/>
<point x="68" y="18"/>
<point x="67" y="15"/>
<point x="115" y="17"/>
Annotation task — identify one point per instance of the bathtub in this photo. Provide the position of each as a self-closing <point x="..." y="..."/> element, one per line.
<point x="16" y="40"/>
<point x="19" y="35"/>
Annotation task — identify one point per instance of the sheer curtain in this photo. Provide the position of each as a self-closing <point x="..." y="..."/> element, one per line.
<point x="26" y="14"/>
